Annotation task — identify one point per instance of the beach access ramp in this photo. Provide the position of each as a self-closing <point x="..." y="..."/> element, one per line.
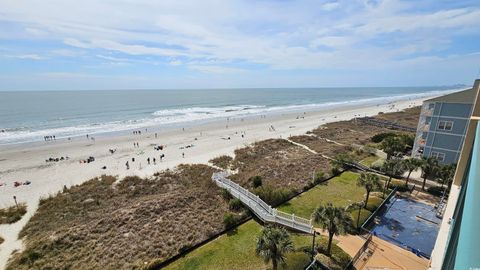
<point x="261" y="209"/>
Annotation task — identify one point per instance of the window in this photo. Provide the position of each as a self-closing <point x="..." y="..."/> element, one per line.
<point x="438" y="155"/>
<point x="445" y="125"/>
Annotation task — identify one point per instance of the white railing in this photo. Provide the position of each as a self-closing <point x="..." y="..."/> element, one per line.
<point x="261" y="209"/>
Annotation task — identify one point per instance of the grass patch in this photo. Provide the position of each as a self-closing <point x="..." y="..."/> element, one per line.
<point x="340" y="191"/>
<point x="364" y="214"/>
<point x="368" y="161"/>
<point x="373" y="203"/>
<point x="12" y="214"/>
<point x="236" y="250"/>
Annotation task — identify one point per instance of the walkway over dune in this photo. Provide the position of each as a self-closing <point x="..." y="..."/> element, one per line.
<point x="261" y="209"/>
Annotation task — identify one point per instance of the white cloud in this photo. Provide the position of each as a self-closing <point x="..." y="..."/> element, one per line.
<point x="217" y="33"/>
<point x="27" y="56"/>
<point x="330" y="6"/>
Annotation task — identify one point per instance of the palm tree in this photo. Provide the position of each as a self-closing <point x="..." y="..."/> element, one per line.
<point x="272" y="245"/>
<point x="391" y="168"/>
<point x="429" y="168"/>
<point x="445" y="173"/>
<point x="333" y="219"/>
<point x="370" y="182"/>
<point x="411" y="164"/>
<point x="392" y="145"/>
<point x="355" y="206"/>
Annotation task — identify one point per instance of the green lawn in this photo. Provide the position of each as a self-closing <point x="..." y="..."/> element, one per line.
<point x="237" y="250"/>
<point x="368" y="161"/>
<point x="340" y="191"/>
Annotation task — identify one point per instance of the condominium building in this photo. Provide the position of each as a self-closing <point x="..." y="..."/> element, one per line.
<point x="442" y="125"/>
<point x="458" y="242"/>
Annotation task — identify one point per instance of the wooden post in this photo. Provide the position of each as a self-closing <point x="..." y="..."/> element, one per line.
<point x="15" y="199"/>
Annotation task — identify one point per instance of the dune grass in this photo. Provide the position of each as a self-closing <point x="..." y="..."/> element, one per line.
<point x="99" y="224"/>
<point x="12" y="214"/>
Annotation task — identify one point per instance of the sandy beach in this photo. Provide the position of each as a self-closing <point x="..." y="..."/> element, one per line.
<point x="195" y="144"/>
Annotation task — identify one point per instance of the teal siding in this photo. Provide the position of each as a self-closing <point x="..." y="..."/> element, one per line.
<point x="468" y="247"/>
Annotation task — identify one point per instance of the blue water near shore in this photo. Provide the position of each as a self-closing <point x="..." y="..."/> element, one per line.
<point x="28" y="116"/>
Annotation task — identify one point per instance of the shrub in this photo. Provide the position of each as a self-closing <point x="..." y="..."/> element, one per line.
<point x="229" y="220"/>
<point x="12" y="214"/>
<point x="373" y="203"/>
<point x="223" y="162"/>
<point x="381" y="136"/>
<point x="273" y="196"/>
<point x="235" y="204"/>
<point x="319" y="177"/>
<point x="436" y="191"/>
<point x="226" y="194"/>
<point x="335" y="171"/>
<point x="399" y="184"/>
<point x="256" y="180"/>
<point x="378" y="164"/>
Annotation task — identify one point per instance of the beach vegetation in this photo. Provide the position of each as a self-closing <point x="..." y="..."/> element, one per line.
<point x="235" y="204"/>
<point x="256" y="181"/>
<point x="379" y="137"/>
<point x="94" y="224"/>
<point x="273" y="196"/>
<point x="229" y="220"/>
<point x="12" y="214"/>
<point x="223" y="162"/>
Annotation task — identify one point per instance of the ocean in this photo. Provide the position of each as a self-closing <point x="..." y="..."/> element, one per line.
<point x="28" y="116"/>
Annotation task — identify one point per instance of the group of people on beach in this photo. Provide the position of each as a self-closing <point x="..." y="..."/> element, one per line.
<point x="56" y="159"/>
<point x="149" y="161"/>
<point x="49" y="138"/>
<point x="135" y="145"/>
<point x="137" y="132"/>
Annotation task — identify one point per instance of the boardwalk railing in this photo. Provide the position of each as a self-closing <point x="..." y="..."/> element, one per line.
<point x="260" y="208"/>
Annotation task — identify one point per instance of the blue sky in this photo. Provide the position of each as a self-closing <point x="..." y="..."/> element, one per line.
<point x="94" y="44"/>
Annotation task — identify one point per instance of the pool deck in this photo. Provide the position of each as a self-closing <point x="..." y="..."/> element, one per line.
<point x="385" y="255"/>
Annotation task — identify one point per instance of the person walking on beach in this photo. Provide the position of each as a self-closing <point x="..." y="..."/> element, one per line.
<point x="128" y="166"/>
<point x="183" y="155"/>
<point x="161" y="157"/>
<point x="148" y="161"/>
<point x="154" y="161"/>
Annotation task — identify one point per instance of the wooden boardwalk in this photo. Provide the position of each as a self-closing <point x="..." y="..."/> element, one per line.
<point x="261" y="209"/>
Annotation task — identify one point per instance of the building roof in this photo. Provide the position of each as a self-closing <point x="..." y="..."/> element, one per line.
<point x="465" y="96"/>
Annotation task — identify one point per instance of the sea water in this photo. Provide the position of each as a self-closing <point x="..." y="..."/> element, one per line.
<point x="28" y="116"/>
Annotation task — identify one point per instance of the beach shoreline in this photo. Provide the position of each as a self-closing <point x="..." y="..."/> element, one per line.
<point x="193" y="144"/>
